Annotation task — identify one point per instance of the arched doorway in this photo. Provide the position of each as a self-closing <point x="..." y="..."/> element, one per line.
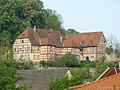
<point x="87" y="58"/>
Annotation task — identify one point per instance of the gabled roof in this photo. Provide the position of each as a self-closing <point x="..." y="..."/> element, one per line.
<point x="42" y="36"/>
<point x="86" y="38"/>
<point x="39" y="79"/>
<point x="108" y="72"/>
<point x="51" y="37"/>
<point x="109" y="83"/>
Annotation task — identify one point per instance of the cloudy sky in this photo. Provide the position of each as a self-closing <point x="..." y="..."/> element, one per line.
<point x="89" y="15"/>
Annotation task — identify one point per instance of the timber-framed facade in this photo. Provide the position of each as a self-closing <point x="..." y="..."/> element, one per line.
<point x="41" y="44"/>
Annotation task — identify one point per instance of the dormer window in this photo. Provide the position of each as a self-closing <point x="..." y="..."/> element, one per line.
<point x="81" y="43"/>
<point x="90" y="42"/>
<point x="23" y="34"/>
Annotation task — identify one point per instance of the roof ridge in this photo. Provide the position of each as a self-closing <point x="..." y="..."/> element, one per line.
<point x="87" y="32"/>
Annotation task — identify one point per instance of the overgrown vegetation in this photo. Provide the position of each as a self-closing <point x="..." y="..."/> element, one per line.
<point x="17" y="15"/>
<point x="8" y="76"/>
<point x="78" y="77"/>
<point x="67" y="60"/>
<point x="19" y="65"/>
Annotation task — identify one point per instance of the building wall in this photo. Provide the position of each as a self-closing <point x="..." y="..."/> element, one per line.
<point x="101" y="48"/>
<point x="23" y="49"/>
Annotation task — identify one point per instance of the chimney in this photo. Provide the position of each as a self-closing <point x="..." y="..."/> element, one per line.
<point x="61" y="39"/>
<point x="34" y="28"/>
<point x="66" y="35"/>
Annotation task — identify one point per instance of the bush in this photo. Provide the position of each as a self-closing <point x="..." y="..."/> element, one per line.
<point x="100" y="68"/>
<point x="78" y="76"/>
<point x="68" y="60"/>
<point x="103" y="58"/>
<point x="44" y="63"/>
<point x="111" y="64"/>
<point x="87" y="64"/>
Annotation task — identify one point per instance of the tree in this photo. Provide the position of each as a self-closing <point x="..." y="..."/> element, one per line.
<point x="71" y="31"/>
<point x="78" y="76"/>
<point x="112" y="44"/>
<point x="100" y="68"/>
<point x="53" y="20"/>
<point x="16" y="15"/>
<point x="8" y="78"/>
<point x="68" y="60"/>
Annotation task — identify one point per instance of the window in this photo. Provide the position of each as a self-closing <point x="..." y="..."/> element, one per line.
<point x="51" y="49"/>
<point x="84" y="49"/>
<point x="28" y="48"/>
<point x="38" y="49"/>
<point x="20" y="49"/>
<point x="34" y="57"/>
<point x="25" y="57"/>
<point x="21" y="57"/>
<point x="25" y="48"/>
<point x="90" y="42"/>
<point x="38" y="56"/>
<point x="15" y="49"/>
<point x="98" y="49"/>
<point x="28" y="57"/>
<point x="81" y="49"/>
<point x="22" y="41"/>
<point x="92" y="56"/>
<point x="81" y="43"/>
<point x="23" y="34"/>
<point x="94" y="49"/>
<point x="59" y="50"/>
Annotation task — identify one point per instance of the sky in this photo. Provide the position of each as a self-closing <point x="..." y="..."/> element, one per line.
<point x="88" y="15"/>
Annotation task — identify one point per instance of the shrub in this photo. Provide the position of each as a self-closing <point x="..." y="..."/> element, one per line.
<point x="103" y="58"/>
<point x="68" y="60"/>
<point x="87" y="64"/>
<point x="44" y="63"/>
<point x="110" y="64"/>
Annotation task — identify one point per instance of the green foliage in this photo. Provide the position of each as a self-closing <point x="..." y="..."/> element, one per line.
<point x="100" y="68"/>
<point x="68" y="60"/>
<point x="111" y="64"/>
<point x="53" y="20"/>
<point x="8" y="78"/>
<point x="16" y="15"/>
<point x="103" y="58"/>
<point x="21" y="65"/>
<point x="44" y="63"/>
<point x="78" y="76"/>
<point x="87" y="64"/>
<point x="70" y="31"/>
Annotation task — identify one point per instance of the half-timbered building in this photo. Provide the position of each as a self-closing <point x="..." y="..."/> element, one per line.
<point x="41" y="44"/>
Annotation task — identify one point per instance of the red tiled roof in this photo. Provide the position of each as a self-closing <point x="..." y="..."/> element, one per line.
<point x="48" y="37"/>
<point x="86" y="37"/>
<point x="110" y="71"/>
<point x="108" y="83"/>
<point x="42" y="36"/>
